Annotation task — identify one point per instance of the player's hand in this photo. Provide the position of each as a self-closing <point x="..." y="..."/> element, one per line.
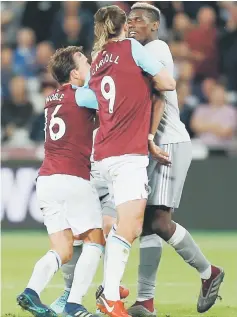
<point x="158" y="154"/>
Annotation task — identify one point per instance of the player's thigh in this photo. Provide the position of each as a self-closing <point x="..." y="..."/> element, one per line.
<point x="95" y="235"/>
<point x="166" y="182"/>
<point x="106" y="198"/>
<point x="102" y="188"/>
<point x="109" y="213"/>
<point x="159" y="180"/>
<point x="108" y="206"/>
<point x="183" y="154"/>
<point x="52" y="193"/>
<point x="102" y="180"/>
<point x="83" y="207"/>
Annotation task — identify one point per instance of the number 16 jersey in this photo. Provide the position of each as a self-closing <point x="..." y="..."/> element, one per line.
<point x="68" y="135"/>
<point x="124" y="97"/>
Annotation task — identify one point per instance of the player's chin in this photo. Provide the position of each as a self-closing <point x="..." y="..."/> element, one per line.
<point x="137" y="37"/>
<point x="134" y="36"/>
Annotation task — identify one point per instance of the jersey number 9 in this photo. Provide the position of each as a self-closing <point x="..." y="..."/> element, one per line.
<point x="110" y="93"/>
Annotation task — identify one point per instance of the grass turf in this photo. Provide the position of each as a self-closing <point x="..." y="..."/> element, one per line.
<point x="177" y="284"/>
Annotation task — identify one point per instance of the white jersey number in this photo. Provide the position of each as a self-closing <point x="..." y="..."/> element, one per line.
<point x="110" y="94"/>
<point x="55" y="120"/>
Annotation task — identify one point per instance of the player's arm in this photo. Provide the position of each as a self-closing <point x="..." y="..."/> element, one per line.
<point x="157" y="110"/>
<point x="158" y="106"/>
<point x="162" y="80"/>
<point x="85" y="97"/>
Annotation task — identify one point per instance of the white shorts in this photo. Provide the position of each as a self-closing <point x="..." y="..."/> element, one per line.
<point x="68" y="202"/>
<point x="126" y="176"/>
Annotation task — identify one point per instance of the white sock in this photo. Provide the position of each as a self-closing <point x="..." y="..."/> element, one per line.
<point x="178" y="235"/>
<point x="111" y="233"/>
<point x="84" y="272"/>
<point x="118" y="253"/>
<point x="44" y="270"/>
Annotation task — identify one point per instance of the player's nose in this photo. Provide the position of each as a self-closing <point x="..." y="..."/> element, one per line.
<point x="131" y="24"/>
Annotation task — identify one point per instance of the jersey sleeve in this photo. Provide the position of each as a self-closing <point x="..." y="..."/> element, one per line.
<point x="161" y="52"/>
<point x="85" y="97"/>
<point x="144" y="59"/>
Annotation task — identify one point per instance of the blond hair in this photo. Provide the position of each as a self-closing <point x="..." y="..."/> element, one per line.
<point x="108" y="24"/>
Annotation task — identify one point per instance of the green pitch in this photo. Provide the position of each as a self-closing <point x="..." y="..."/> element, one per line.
<point x="177" y="284"/>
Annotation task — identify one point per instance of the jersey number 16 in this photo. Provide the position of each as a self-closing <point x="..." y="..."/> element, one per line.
<point x="52" y="122"/>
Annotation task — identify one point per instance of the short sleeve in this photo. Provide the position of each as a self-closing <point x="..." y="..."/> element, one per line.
<point x="230" y="117"/>
<point x="85" y="97"/>
<point x="144" y="59"/>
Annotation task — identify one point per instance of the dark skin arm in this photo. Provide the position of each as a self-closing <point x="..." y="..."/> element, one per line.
<point x="158" y="106"/>
<point x="157" y="111"/>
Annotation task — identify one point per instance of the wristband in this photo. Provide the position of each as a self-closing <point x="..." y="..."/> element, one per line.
<point x="150" y="137"/>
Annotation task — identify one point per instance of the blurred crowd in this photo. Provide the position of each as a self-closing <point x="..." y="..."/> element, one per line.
<point x="202" y="37"/>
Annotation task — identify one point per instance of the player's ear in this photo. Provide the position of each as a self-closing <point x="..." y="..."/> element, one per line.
<point x="155" y="26"/>
<point x="74" y="74"/>
<point x="125" y="27"/>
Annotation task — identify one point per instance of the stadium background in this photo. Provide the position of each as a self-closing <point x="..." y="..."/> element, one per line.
<point x="203" y="39"/>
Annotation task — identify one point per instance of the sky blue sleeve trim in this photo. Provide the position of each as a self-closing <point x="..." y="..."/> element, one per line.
<point x="99" y="246"/>
<point x="144" y="59"/>
<point x="85" y="97"/>
<point x="118" y="240"/>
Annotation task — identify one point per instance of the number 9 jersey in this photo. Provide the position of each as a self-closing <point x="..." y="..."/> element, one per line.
<point x="68" y="134"/>
<point x="124" y="98"/>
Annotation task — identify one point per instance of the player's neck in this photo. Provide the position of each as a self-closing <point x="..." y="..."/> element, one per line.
<point x="153" y="37"/>
<point x="74" y="83"/>
<point x="120" y="37"/>
<point x="116" y="39"/>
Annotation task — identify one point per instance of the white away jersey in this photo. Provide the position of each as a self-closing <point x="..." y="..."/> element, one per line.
<point x="171" y="129"/>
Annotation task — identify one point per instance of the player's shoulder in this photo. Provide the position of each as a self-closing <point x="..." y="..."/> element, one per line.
<point x="158" y="44"/>
<point x="130" y="39"/>
<point x="159" y="49"/>
<point x="132" y="42"/>
<point x="64" y="93"/>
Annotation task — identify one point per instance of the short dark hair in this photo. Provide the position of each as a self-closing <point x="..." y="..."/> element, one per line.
<point x="62" y="63"/>
<point x="153" y="12"/>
